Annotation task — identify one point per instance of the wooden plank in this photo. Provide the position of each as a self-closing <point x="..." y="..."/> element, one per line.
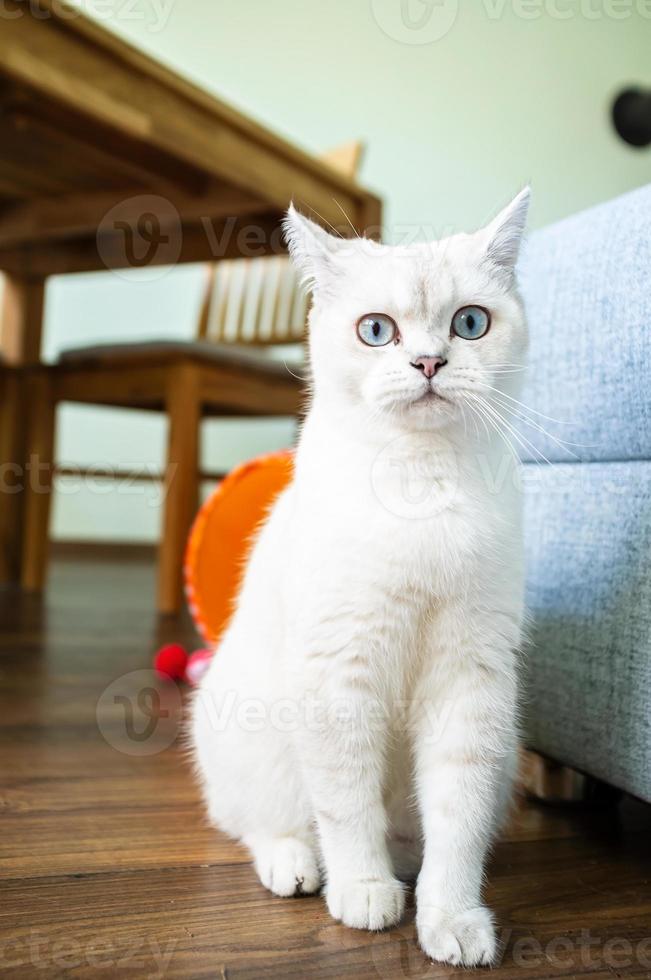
<point x="18" y="181"/>
<point x="251" y="393"/>
<point x="66" y="61"/>
<point x="51" y="162"/>
<point x="129" y="476"/>
<point x="21" y="318"/>
<point x="230" y="237"/>
<point x="141" y="382"/>
<point x="52" y="218"/>
<point x="84" y="151"/>
<point x="129" y="385"/>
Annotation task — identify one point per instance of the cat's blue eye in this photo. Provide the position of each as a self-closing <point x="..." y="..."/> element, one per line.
<point x="471" y="322"/>
<point x="376" y="329"/>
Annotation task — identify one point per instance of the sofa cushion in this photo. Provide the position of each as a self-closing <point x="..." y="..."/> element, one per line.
<point x="587" y="286"/>
<point x="588" y="538"/>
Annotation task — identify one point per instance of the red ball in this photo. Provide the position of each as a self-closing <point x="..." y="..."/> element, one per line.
<point x="170" y="661"/>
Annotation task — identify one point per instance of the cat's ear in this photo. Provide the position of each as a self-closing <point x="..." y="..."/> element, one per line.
<point x="502" y="237"/>
<point x="312" y="249"/>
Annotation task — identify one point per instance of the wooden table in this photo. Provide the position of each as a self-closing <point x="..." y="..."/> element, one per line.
<point x="108" y="159"/>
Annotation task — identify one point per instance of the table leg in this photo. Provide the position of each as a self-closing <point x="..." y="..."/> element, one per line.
<point x="21" y="318"/>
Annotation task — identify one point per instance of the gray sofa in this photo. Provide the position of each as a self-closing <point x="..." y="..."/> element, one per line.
<point x="587" y="286"/>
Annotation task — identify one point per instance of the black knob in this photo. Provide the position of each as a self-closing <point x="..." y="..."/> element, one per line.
<point x="632" y="116"/>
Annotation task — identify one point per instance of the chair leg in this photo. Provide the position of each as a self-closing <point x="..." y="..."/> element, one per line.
<point x="12" y="442"/>
<point x="38" y="481"/>
<point x="181" y="483"/>
<point x="548" y="781"/>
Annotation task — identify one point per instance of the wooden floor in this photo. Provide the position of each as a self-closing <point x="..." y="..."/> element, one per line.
<point x="110" y="871"/>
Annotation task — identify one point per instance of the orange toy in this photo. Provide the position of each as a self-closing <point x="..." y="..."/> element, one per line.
<point x="220" y="539"/>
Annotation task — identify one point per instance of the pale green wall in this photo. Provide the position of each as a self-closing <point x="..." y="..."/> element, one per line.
<point x="513" y="92"/>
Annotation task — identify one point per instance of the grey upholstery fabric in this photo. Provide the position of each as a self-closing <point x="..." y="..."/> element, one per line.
<point x="588" y="691"/>
<point x="587" y="285"/>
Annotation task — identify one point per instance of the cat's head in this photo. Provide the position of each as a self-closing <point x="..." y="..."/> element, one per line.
<point x="414" y="332"/>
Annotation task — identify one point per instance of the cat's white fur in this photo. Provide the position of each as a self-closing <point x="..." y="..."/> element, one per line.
<point x="359" y="715"/>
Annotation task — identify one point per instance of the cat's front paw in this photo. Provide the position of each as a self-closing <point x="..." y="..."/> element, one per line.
<point x="366" y="903"/>
<point x="286" y="866"/>
<point x="461" y="938"/>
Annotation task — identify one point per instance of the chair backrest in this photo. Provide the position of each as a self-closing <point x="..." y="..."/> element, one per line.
<point x="259" y="301"/>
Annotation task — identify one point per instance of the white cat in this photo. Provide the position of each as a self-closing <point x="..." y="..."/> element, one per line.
<point x="359" y="719"/>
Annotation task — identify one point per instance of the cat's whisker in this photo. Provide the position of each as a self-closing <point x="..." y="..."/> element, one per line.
<point x="476" y="415"/>
<point x="485" y="418"/>
<point x="325" y="220"/>
<point x="502" y="371"/>
<point x="510" y="364"/>
<point x="503" y="366"/>
<point x="496" y="421"/>
<point x="524" y="407"/>
<point x="517" y="414"/>
<point x="505" y="426"/>
<point x="520" y="413"/>
<point x="520" y="438"/>
<point x="473" y="416"/>
<point x="293" y="374"/>
<point x="502" y="437"/>
<point x="481" y="415"/>
<point x="465" y="427"/>
<point x="355" y="232"/>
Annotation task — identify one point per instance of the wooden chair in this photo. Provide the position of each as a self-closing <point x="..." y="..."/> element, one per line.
<point x="250" y="306"/>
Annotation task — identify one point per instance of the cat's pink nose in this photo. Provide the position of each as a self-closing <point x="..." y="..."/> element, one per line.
<point x="428" y="365"/>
